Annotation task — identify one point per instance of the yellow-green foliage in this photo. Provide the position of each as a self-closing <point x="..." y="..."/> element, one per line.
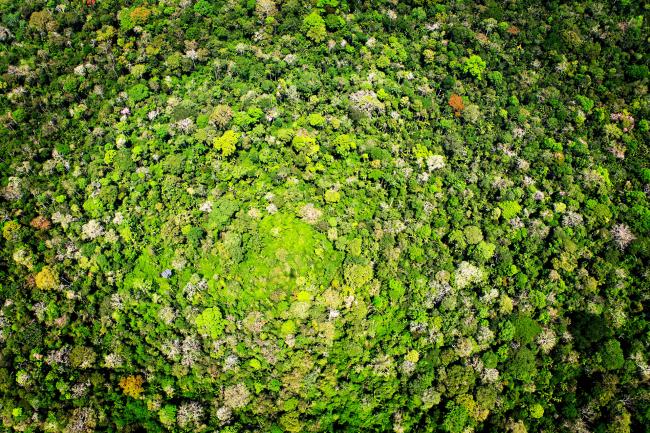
<point x="10" y="230"/>
<point x="413" y="356"/>
<point x="210" y="322"/>
<point x="509" y="209"/>
<point x="473" y="234"/>
<point x="82" y="357"/>
<point x="332" y="196"/>
<point x="314" y="25"/>
<point x="537" y="410"/>
<point x="344" y="143"/>
<point x="485" y="250"/>
<point x="358" y="275"/>
<point x="23" y="257"/>
<point x="227" y="143"/>
<point x="302" y="142"/>
<point x="41" y="20"/>
<point x="316" y="119"/>
<point x="46" y="279"/>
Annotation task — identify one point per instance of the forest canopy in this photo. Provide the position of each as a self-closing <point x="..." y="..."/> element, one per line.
<point x="324" y="216"/>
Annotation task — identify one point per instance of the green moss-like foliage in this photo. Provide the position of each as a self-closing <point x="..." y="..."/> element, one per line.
<point x="314" y="25"/>
<point x="456" y="420"/>
<point x="485" y="250"/>
<point x="343" y="144"/>
<point x="473" y="234"/>
<point x="138" y="92"/>
<point x="210" y="322"/>
<point x="509" y="209"/>
<point x="475" y="65"/>
<point x="289" y="254"/>
<point x="357" y="275"/>
<point x="526" y="329"/>
<point x="523" y="366"/>
<point x="612" y="355"/>
<point x="537" y="411"/>
<point x="304" y="142"/>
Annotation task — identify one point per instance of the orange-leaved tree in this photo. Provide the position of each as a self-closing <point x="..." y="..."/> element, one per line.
<point x="456" y="102"/>
<point x="132" y="386"/>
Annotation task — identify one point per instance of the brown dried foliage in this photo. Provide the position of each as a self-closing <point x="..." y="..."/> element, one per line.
<point x="456" y="102"/>
<point x="40" y="223"/>
<point x="513" y="30"/>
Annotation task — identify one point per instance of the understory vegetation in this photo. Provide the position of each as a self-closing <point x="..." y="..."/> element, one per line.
<point x="324" y="216"/>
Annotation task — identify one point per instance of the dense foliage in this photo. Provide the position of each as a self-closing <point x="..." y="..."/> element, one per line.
<point x="324" y="216"/>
